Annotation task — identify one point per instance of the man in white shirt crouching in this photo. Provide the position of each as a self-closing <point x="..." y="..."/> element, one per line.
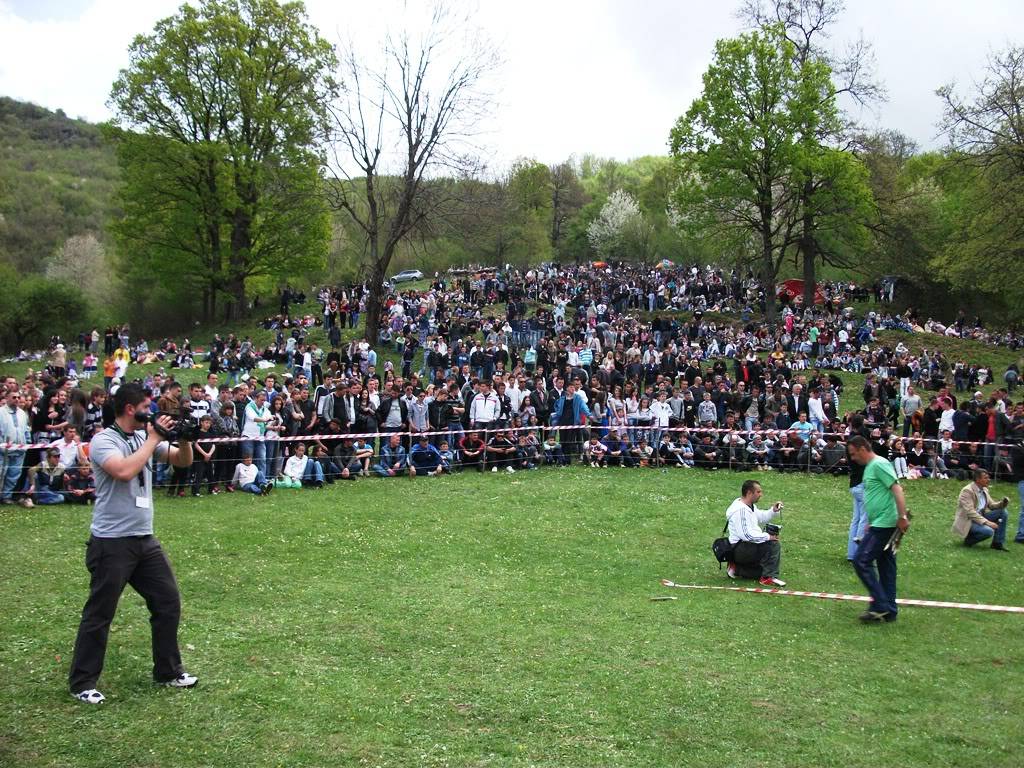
<point x="756" y="553"/>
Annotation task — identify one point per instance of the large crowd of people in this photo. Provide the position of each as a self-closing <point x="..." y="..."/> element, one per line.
<point x="609" y="366"/>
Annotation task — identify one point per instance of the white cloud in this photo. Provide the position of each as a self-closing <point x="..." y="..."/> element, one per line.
<point x="604" y="76"/>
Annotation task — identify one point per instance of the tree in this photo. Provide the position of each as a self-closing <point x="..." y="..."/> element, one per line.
<point x="82" y="261"/>
<point x="609" y="232"/>
<point x="36" y="307"/>
<point x="807" y="24"/>
<point x="986" y="142"/>
<point x="742" y="161"/>
<point x="567" y="198"/>
<point x="225" y="106"/>
<point x="397" y="124"/>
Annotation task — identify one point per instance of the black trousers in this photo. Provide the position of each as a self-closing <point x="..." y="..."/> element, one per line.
<point x="113" y="563"/>
<point x="757" y="560"/>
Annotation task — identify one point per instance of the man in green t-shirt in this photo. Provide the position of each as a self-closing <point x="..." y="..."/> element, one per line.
<point x="886" y="509"/>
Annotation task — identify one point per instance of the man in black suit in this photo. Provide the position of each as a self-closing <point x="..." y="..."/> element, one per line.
<point x="798" y="401"/>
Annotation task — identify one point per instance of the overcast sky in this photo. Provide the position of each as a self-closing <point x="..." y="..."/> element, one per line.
<point x="608" y="77"/>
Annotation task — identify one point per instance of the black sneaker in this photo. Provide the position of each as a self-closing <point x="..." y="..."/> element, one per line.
<point x="876" y="617"/>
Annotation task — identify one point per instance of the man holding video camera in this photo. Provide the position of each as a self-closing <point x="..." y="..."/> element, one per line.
<point x="756" y="552"/>
<point x="122" y="549"/>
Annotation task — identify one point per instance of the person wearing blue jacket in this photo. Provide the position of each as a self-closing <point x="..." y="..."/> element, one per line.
<point x="424" y="459"/>
<point x="569" y="412"/>
<point x="394" y="460"/>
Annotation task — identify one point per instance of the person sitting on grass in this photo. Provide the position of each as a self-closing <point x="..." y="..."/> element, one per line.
<point x="349" y="466"/>
<point x="594" y="452"/>
<point x="448" y="458"/>
<point x="46" y="479"/>
<point x="642" y="454"/>
<point x="394" y="461"/>
<point x="553" y="454"/>
<point x="249" y="478"/>
<point x="424" y="459"/>
<point x="79" y="485"/>
<point x="329" y="471"/>
<point x="299" y="470"/>
<point x="363" y="449"/>
<point x="501" y="452"/>
<point x="977" y="516"/>
<point x="617" y="455"/>
<point x="471" y="451"/>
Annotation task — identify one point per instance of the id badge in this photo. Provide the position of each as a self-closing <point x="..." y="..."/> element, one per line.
<point x="142" y="502"/>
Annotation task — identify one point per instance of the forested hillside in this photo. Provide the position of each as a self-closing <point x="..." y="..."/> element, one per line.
<point x="57" y="178"/>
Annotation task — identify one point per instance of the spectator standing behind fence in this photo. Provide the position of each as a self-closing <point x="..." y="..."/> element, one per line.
<point x="14" y="430"/>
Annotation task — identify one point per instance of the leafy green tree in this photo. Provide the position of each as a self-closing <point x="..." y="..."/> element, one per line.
<point x="35" y="307"/>
<point x="742" y="162"/>
<point x="225" y="106"/>
<point x="806" y="24"/>
<point x="986" y="135"/>
<point x="567" y="198"/>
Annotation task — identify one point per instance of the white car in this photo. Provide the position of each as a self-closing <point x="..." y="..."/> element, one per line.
<point x="406" y="275"/>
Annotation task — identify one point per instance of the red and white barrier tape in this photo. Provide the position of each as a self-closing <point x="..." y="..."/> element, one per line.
<point x="743" y="433"/>
<point x="855" y="598"/>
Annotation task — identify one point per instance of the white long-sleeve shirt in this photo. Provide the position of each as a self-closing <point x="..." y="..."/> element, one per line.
<point x="662" y="411"/>
<point x="816" y="410"/>
<point x="245" y="474"/>
<point x="295" y="467"/>
<point x="745" y="522"/>
<point x="484" y="408"/>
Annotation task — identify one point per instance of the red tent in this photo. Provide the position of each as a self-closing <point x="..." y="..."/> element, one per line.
<point x="793" y="288"/>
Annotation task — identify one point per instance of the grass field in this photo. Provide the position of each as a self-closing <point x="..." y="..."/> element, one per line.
<point x="506" y="621"/>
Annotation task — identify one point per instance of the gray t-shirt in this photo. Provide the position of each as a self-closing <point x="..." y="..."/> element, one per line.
<point x="122" y="508"/>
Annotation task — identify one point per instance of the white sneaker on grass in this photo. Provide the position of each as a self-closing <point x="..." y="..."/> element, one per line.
<point x="184" y="680"/>
<point x="91" y="696"/>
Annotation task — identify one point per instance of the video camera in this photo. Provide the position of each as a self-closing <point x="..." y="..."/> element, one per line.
<point x="182" y="429"/>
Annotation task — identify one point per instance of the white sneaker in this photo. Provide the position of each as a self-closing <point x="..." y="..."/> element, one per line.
<point x="731" y="570"/>
<point x="494" y="469"/>
<point x="184" y="680"/>
<point x="91" y="696"/>
<point x="510" y="470"/>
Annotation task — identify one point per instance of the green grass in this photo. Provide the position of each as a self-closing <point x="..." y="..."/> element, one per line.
<point x="506" y="621"/>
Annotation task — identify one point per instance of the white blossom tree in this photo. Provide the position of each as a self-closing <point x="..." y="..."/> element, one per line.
<point x="619" y="227"/>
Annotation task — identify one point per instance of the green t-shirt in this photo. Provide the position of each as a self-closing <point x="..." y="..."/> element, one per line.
<point x="879" y="503"/>
<point x="813" y="333"/>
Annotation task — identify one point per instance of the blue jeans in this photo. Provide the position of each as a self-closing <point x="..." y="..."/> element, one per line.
<point x="314" y="472"/>
<point x="13" y="461"/>
<point x="858" y="522"/>
<point x="1020" y="522"/>
<point x="258" y="450"/>
<point x="981" y="532"/>
<point x="881" y="584"/>
<point x="46" y="496"/>
<point x="256" y="487"/>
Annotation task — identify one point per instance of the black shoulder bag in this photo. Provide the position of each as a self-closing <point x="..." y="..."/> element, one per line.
<point x="721" y="548"/>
